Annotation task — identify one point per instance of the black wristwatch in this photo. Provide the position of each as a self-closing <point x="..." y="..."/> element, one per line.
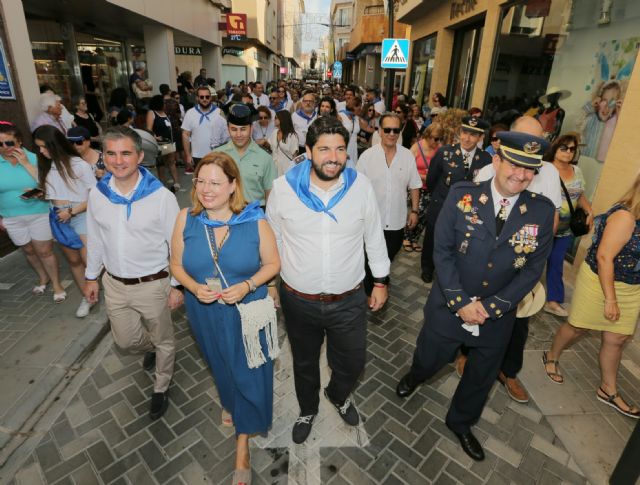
<point x="382" y="281"/>
<point x="179" y="287"/>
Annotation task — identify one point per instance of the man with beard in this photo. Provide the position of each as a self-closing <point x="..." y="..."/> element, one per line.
<point x="304" y="117"/>
<point x="325" y="216"/>
<point x="492" y="241"/>
<point x="203" y="128"/>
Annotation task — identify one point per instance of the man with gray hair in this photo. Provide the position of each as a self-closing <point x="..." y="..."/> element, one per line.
<point x="130" y="219"/>
<point x="51" y="109"/>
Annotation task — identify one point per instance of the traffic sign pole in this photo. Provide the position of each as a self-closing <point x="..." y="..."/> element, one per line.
<point x="390" y="72"/>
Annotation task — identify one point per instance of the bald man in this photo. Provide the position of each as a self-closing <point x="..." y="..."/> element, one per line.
<point x="547" y="183"/>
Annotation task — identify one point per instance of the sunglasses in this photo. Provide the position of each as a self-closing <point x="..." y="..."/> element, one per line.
<point x="273" y="99"/>
<point x="565" y="148"/>
<point x="391" y="130"/>
<point x="79" y="142"/>
<point x="7" y="143"/>
<point x="436" y="138"/>
<point x="399" y="112"/>
<point x="204" y="97"/>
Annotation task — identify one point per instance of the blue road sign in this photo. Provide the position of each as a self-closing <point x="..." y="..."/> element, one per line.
<point x="395" y="54"/>
<point x="337" y="69"/>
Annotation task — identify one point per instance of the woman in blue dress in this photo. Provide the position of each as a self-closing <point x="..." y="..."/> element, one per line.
<point x="223" y="253"/>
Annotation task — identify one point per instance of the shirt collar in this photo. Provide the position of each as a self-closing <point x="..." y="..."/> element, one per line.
<point x="113" y="186"/>
<point x="497" y="197"/>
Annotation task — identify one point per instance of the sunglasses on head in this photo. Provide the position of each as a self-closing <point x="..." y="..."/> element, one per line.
<point x="391" y="130"/>
<point x="7" y="143"/>
<point x="204" y="97"/>
<point x="565" y="148"/>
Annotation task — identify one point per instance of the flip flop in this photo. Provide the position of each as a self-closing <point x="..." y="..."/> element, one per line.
<point x="407" y="246"/>
<point x="610" y="400"/>
<point x="555" y="377"/>
<point x="39" y="290"/>
<point x="227" y="420"/>
<point x="59" y="297"/>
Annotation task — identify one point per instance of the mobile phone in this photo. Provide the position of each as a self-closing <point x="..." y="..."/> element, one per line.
<point x="100" y="165"/>
<point x="32" y="194"/>
<point x="214" y="284"/>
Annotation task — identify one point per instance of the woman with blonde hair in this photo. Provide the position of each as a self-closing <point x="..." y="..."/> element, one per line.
<point x="607" y="297"/>
<point x="224" y="253"/>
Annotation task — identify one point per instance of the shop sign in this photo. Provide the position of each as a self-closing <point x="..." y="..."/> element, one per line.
<point x="237" y="26"/>
<point x="232" y="51"/>
<point x="462" y="7"/>
<point x="187" y="51"/>
<point x="283" y="70"/>
<point x="6" y="86"/>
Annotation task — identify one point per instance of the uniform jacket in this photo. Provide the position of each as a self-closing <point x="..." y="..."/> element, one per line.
<point x="471" y="261"/>
<point x="447" y="168"/>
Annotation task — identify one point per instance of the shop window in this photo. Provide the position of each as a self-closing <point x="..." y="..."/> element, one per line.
<point x="424" y="53"/>
<point x="584" y="51"/>
<point x="466" y="48"/>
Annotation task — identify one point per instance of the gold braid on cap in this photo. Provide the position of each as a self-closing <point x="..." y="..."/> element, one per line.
<point x="505" y="151"/>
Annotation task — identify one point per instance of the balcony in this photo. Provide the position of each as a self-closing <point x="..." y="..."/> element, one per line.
<point x="372" y="28"/>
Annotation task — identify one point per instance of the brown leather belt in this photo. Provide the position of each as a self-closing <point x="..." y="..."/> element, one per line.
<point x="323" y="297"/>
<point x="143" y="279"/>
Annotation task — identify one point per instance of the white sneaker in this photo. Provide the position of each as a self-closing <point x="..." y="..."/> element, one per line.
<point x="556" y="309"/>
<point x="83" y="309"/>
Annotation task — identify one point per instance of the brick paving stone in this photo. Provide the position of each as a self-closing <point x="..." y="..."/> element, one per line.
<point x="504" y="451"/>
<point x="86" y="476"/>
<point x="139" y="475"/>
<point x="100" y="455"/>
<point x="550" y="450"/>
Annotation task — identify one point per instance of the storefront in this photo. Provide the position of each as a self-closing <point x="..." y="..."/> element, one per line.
<point x="504" y="57"/>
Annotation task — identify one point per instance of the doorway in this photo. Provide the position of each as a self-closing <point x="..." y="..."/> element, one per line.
<point x="466" y="48"/>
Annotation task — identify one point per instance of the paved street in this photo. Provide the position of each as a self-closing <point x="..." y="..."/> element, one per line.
<point x="98" y="430"/>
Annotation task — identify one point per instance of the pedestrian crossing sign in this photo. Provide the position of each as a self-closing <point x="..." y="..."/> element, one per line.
<point x="395" y="54"/>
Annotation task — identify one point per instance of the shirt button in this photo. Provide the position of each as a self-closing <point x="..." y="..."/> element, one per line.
<point x="485" y="283"/>
<point x="490" y="265"/>
<point x="468" y="234"/>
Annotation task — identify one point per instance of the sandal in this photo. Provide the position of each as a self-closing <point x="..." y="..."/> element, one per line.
<point x="241" y="477"/>
<point x="417" y="248"/>
<point x="555" y="377"/>
<point x="39" y="290"/>
<point x="407" y="246"/>
<point x="59" y="297"/>
<point x="227" y="419"/>
<point x="610" y="400"/>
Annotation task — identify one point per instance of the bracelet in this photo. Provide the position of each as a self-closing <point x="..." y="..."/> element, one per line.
<point x="414" y="211"/>
<point x="248" y="284"/>
<point x="90" y="279"/>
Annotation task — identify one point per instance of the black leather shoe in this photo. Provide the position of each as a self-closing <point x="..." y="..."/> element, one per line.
<point x="427" y="277"/>
<point x="149" y="361"/>
<point x="470" y="445"/>
<point x="302" y="428"/>
<point x="406" y="386"/>
<point x="159" y="404"/>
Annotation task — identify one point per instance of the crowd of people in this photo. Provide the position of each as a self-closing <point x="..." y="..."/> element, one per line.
<point x="301" y="199"/>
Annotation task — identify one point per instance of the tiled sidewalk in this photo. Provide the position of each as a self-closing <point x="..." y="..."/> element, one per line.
<point x="105" y="436"/>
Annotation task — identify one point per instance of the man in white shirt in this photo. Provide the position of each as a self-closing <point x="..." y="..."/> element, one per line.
<point x="304" y="117"/>
<point x="325" y="217"/>
<point x="392" y="170"/>
<point x="259" y="98"/>
<point x="203" y="128"/>
<point x="130" y="221"/>
<point x="349" y="96"/>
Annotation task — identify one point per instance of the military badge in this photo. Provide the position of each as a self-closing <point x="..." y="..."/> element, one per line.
<point x="457" y="152"/>
<point x="523" y="208"/>
<point x="477" y="157"/>
<point x="526" y="239"/>
<point x="532" y="147"/>
<point x="519" y="262"/>
<point x="453" y="164"/>
<point x="464" y="204"/>
<point x="483" y="199"/>
<point x="463" y="246"/>
<point x="447" y="181"/>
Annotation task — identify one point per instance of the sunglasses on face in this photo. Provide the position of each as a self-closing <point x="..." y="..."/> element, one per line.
<point x="565" y="148"/>
<point x="79" y="142"/>
<point x="391" y="130"/>
<point x="435" y="138"/>
<point x="8" y="143"/>
<point x="398" y="112"/>
<point x="273" y="99"/>
<point x="204" y="97"/>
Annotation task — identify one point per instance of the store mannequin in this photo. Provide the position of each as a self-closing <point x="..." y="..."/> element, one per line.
<point x="552" y="116"/>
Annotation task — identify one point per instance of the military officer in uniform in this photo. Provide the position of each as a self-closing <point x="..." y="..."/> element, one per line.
<point x="451" y="164"/>
<point x="492" y="241"/>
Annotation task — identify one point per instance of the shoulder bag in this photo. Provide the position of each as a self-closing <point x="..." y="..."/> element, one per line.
<point x="578" y="223"/>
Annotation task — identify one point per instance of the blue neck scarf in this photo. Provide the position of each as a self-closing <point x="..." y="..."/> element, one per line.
<point x="204" y="115"/>
<point x="348" y="113"/>
<point x="299" y="178"/>
<point x="252" y="212"/>
<point x="147" y="186"/>
<point x="308" y="118"/>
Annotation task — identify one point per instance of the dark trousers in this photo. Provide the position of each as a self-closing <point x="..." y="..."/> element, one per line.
<point x="434" y="351"/>
<point x="344" y="323"/>
<point x="512" y="363"/>
<point x="393" y="240"/>
<point x="426" y="257"/>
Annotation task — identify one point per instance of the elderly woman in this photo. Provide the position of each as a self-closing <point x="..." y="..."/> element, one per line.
<point x="224" y="253"/>
<point x="66" y="180"/>
<point x="83" y="118"/>
<point x="607" y="297"/>
<point x="563" y="156"/>
<point x="25" y="217"/>
<point x="51" y="113"/>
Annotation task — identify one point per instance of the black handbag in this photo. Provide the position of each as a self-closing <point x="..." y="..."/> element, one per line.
<point x="578" y="223"/>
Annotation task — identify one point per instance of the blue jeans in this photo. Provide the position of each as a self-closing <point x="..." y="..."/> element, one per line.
<point x="555" y="286"/>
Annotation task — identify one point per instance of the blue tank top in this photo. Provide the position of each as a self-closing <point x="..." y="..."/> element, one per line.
<point x="626" y="265"/>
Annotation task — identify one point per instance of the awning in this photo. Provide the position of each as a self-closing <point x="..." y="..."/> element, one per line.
<point x="363" y="50"/>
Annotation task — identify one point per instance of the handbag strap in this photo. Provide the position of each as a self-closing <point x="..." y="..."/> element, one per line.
<point x="224" y="280"/>
<point x="566" y="194"/>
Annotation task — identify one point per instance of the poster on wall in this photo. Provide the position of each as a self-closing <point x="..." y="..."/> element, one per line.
<point x="6" y="86"/>
<point x="604" y="94"/>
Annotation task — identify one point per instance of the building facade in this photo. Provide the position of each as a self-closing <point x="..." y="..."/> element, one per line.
<point x="290" y="25"/>
<point x="503" y="56"/>
<point x="341" y="15"/>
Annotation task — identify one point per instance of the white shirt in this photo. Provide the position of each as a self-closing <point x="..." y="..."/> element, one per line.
<point x="301" y="125"/>
<point x="283" y="152"/>
<point x="390" y="183"/>
<point x="262" y="100"/>
<point x="379" y="106"/>
<point x="319" y="255"/>
<point x="258" y="132"/>
<point x="497" y="197"/>
<point x="207" y="135"/>
<point x="353" y="127"/>
<point x="340" y="105"/>
<point x="130" y="248"/>
<point x="74" y="189"/>
<point x="546" y="182"/>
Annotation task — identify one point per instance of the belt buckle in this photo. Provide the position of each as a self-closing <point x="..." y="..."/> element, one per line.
<point x="322" y="297"/>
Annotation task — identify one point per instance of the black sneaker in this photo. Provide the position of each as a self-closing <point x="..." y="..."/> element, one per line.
<point x="347" y="411"/>
<point x="159" y="404"/>
<point x="149" y="361"/>
<point x="302" y="428"/>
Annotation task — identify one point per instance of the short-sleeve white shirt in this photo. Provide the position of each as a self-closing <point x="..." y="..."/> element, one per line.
<point x="74" y="189"/>
<point x="205" y="136"/>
